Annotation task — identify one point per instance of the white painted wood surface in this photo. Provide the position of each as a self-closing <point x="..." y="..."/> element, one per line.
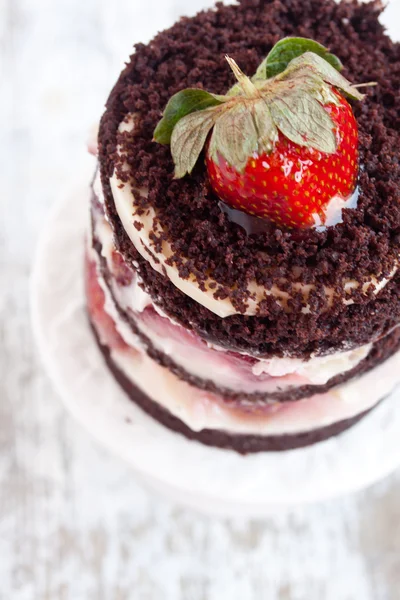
<point x="74" y="523"/>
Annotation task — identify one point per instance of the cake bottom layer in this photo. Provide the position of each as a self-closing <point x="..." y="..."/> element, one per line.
<point x="243" y="444"/>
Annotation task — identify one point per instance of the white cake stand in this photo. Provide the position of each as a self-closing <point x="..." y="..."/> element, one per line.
<point x="208" y="479"/>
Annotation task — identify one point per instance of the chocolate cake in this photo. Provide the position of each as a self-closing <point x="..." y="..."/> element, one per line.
<point x="246" y="295"/>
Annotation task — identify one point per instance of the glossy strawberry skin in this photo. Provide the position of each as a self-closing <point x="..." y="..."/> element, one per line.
<point x="293" y="183"/>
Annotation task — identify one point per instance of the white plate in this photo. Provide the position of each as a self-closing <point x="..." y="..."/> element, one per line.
<point x="210" y="479"/>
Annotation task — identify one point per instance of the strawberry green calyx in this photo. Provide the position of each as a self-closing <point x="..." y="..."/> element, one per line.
<point x="180" y="105"/>
<point x="289" y="48"/>
<point x="286" y="96"/>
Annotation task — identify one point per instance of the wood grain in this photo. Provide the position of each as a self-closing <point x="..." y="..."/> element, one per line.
<point x="74" y="524"/>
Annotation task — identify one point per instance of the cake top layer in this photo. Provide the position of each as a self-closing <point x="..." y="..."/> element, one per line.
<point x="191" y="54"/>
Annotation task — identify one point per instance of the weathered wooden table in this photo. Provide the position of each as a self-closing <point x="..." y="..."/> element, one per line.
<point x="74" y="524"/>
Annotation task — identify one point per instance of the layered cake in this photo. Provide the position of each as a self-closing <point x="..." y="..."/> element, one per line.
<point x="242" y="263"/>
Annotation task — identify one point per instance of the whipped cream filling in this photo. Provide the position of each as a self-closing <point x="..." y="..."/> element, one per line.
<point x="209" y="363"/>
<point x="318" y="370"/>
<point x="141" y="239"/>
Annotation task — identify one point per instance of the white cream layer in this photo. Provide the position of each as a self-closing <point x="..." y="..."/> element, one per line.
<point x="140" y="237"/>
<point x="201" y="410"/>
<point x="200" y="360"/>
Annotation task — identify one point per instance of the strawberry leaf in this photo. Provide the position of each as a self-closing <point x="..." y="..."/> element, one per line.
<point x="309" y="62"/>
<point x="290" y="48"/>
<point x="304" y="121"/>
<point x="235" y="136"/>
<point x="266" y="130"/>
<point x="188" y="139"/>
<point x="180" y="105"/>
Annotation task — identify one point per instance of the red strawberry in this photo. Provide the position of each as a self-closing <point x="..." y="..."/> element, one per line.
<point x="292" y="183"/>
<point x="282" y="144"/>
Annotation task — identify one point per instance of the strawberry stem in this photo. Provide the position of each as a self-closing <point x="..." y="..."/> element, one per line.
<point x="245" y="82"/>
<point x="368" y="84"/>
